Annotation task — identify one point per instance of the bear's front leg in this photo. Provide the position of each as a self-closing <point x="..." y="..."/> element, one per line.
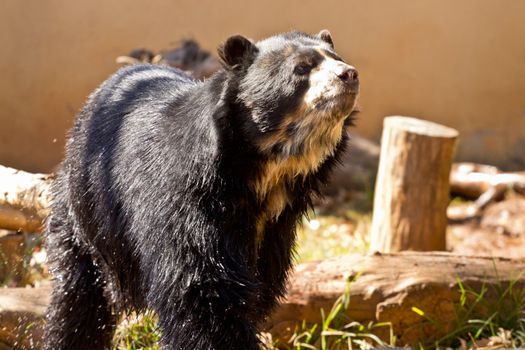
<point x="275" y="258"/>
<point x="210" y="308"/>
<point x="204" y="330"/>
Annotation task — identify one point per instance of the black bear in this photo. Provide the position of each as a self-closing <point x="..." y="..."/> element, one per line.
<point x="181" y="196"/>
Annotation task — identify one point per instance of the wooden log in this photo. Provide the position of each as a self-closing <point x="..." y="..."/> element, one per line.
<point x="471" y="180"/>
<point x="482" y="183"/>
<point x="386" y="288"/>
<point x="24" y="199"/>
<point x="412" y="187"/>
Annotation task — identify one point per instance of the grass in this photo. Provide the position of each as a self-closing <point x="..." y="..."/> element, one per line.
<point x="337" y="332"/>
<point x="137" y="332"/>
<point x="492" y="315"/>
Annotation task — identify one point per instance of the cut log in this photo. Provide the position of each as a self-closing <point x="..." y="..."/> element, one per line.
<point x="412" y="187"/>
<point x="506" y="217"/>
<point x="24" y="199"/>
<point x="386" y="288"/>
<point x="189" y="57"/>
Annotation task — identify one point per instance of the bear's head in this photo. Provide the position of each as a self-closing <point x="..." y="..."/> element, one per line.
<point x="296" y="91"/>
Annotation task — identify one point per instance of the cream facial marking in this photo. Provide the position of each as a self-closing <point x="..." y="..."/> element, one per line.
<point x="323" y="78"/>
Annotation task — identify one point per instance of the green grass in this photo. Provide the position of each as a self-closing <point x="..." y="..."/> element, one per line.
<point x="137" y="332"/>
<point x="490" y="315"/>
<point x="337" y="332"/>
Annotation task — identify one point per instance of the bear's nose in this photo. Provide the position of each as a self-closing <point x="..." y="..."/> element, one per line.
<point x="348" y="75"/>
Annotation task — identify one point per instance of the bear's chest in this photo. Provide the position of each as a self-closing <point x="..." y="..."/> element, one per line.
<point x="277" y="176"/>
<point x="273" y="187"/>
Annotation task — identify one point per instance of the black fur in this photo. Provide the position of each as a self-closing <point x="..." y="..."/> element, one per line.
<point x="153" y="208"/>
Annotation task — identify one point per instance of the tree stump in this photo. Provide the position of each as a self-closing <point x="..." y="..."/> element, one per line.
<point x="412" y="187"/>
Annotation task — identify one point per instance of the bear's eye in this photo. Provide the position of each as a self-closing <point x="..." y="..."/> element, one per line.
<point x="303" y="68"/>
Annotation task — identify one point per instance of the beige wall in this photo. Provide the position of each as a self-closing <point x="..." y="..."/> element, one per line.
<point x="461" y="63"/>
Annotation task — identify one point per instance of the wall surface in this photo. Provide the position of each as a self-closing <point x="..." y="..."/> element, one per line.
<point x="461" y="63"/>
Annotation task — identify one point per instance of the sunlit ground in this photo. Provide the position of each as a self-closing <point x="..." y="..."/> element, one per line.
<point x="338" y="227"/>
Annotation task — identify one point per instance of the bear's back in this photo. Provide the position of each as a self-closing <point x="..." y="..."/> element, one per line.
<point x="132" y="147"/>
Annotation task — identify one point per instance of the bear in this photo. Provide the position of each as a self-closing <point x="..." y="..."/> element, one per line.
<point x="182" y="196"/>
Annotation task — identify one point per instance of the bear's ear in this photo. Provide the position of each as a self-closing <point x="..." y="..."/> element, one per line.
<point x="236" y="50"/>
<point x="325" y="36"/>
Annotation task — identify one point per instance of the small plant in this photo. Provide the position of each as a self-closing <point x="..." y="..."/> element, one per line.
<point x="487" y="316"/>
<point x="137" y="332"/>
<point x="337" y="332"/>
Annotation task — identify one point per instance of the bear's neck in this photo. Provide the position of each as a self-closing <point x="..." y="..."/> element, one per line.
<point x="276" y="178"/>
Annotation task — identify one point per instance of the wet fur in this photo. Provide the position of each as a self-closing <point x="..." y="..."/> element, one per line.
<point x="182" y="197"/>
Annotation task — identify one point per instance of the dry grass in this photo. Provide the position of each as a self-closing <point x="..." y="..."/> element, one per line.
<point x="322" y="237"/>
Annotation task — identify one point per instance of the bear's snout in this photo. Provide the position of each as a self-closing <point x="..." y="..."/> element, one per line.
<point x="349" y="76"/>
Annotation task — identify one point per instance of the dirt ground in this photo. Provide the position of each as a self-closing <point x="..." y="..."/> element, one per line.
<point x="500" y="231"/>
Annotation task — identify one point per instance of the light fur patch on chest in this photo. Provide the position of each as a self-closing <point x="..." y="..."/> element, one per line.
<point x="317" y="138"/>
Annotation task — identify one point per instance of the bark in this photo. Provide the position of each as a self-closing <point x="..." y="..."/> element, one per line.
<point x="412" y="188"/>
